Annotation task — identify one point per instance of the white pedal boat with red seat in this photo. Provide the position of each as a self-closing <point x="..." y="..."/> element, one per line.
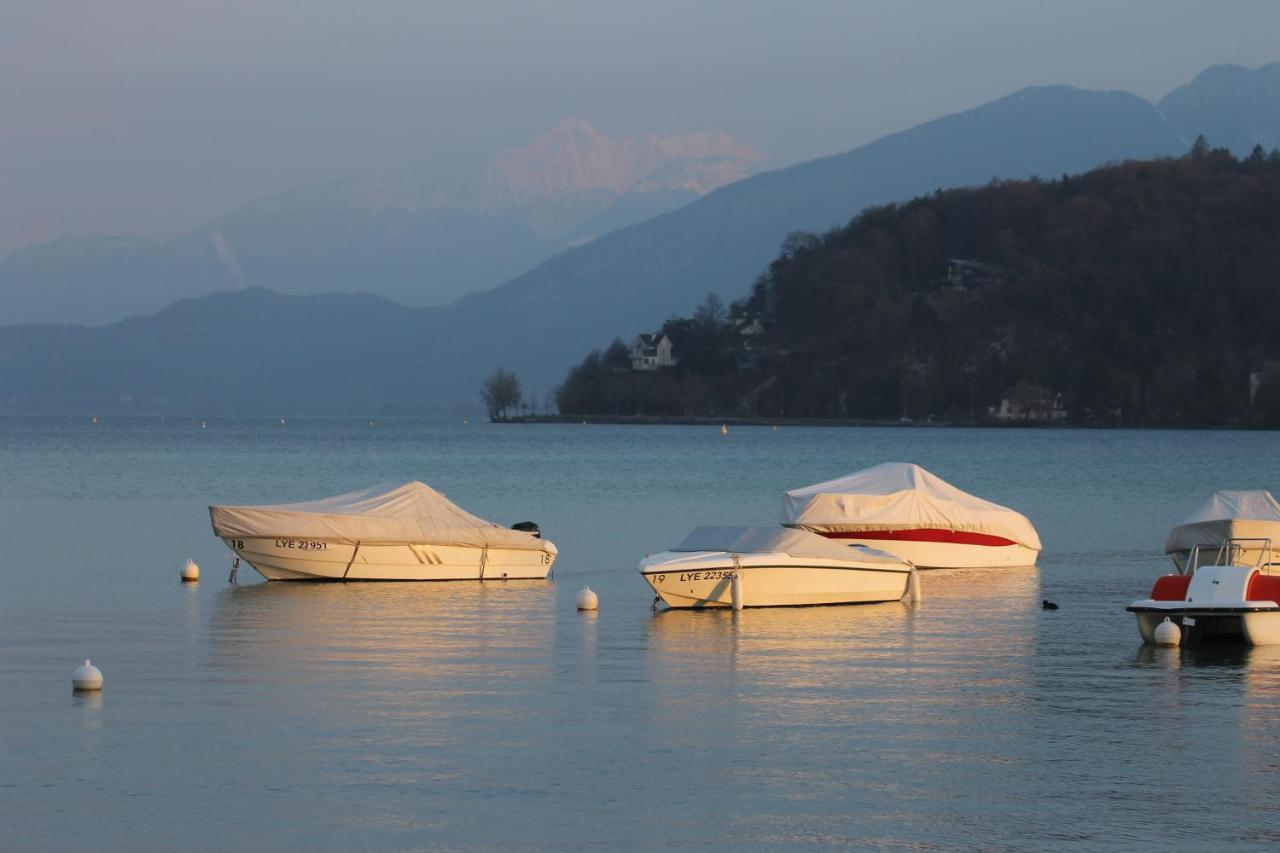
<point x="1221" y="592"/>
<point x="391" y="532"/>
<point x="902" y="508"/>
<point x="772" y="567"/>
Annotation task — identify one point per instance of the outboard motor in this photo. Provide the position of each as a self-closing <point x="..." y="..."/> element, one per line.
<point x="528" y="527"/>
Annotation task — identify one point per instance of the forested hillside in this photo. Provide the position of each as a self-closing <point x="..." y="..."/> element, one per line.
<point x="1146" y="293"/>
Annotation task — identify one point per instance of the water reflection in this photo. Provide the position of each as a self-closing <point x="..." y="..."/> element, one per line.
<point x="90" y="704"/>
<point x="381" y="630"/>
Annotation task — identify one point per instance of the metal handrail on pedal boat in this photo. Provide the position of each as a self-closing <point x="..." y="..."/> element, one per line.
<point x="1229" y="554"/>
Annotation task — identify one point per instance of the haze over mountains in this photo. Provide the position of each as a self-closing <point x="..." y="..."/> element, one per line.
<point x="250" y="351"/>
<point x="422" y="236"/>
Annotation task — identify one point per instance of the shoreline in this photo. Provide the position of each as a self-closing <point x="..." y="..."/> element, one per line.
<point x="698" y="420"/>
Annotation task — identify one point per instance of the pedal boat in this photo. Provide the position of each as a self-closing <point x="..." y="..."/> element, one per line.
<point x="393" y="532"/>
<point x="772" y="567"/>
<point x="1227" y="592"/>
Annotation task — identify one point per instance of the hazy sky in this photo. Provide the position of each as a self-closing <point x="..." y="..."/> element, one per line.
<point x="151" y="117"/>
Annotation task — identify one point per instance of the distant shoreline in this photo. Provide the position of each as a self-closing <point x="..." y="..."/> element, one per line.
<point x="697" y="420"/>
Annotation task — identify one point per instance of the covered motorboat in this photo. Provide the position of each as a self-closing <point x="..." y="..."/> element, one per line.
<point x="1249" y="518"/>
<point x="921" y="518"/>
<point x="772" y="567"/>
<point x="1221" y="592"/>
<point x="398" y="531"/>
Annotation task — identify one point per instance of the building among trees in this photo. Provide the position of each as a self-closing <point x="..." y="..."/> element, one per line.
<point x="652" y="352"/>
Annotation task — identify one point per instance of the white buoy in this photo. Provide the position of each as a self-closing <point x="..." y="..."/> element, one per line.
<point x="190" y="572"/>
<point x="588" y="600"/>
<point x="1168" y="634"/>
<point x="282" y="422"/>
<point x="724" y="429"/>
<point x="204" y="425"/>
<point x="87" y="677"/>
<point x="735" y="587"/>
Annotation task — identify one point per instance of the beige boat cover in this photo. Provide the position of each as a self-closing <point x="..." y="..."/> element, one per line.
<point x="387" y="514"/>
<point x="901" y="496"/>
<point x="1228" y="515"/>
<point x="780" y="540"/>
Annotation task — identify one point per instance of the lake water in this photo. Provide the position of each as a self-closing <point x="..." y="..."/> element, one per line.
<point x="495" y="716"/>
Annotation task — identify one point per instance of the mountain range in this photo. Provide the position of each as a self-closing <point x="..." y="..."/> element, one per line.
<point x="249" y="350"/>
<point x="422" y="236"/>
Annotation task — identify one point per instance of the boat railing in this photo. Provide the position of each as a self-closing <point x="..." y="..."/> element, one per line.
<point x="1232" y="552"/>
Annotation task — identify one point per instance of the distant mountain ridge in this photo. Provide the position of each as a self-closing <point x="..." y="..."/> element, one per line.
<point x="627" y="281"/>
<point x="423" y="235"/>
<point x="1232" y="105"/>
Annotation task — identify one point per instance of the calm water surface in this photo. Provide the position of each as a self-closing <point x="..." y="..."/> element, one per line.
<point x="480" y="717"/>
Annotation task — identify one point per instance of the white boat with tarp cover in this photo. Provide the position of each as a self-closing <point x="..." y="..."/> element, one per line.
<point x="916" y="515"/>
<point x="772" y="567"/>
<point x="1248" y="517"/>
<point x="397" y="531"/>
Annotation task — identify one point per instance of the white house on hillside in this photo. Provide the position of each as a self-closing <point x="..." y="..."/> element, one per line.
<point x="650" y="352"/>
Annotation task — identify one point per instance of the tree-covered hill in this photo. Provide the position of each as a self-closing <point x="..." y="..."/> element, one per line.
<point x="1140" y="293"/>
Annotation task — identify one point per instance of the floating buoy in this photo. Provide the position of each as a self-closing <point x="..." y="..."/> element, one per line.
<point x="190" y="572"/>
<point x="87" y="677"/>
<point x="282" y="422"/>
<point x="465" y="421"/>
<point x="1168" y="634"/>
<point x="370" y="423"/>
<point x="95" y="419"/>
<point x="724" y="429"/>
<point x="203" y="425"/>
<point x="775" y="427"/>
<point x="588" y="600"/>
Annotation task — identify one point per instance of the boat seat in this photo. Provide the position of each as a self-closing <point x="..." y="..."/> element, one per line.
<point x="1264" y="588"/>
<point x="1171" y="588"/>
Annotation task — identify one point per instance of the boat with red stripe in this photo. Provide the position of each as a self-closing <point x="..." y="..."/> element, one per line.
<point x="904" y="509"/>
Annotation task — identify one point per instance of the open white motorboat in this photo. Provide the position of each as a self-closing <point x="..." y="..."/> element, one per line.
<point x="772" y="567"/>
<point x="904" y="509"/>
<point x="1221" y="592"/>
<point x="391" y="532"/>
<point x="1249" y="518"/>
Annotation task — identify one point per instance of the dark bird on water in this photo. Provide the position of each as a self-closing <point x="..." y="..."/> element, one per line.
<point x="1048" y="605"/>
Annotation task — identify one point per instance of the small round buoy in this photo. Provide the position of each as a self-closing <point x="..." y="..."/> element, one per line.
<point x="588" y="600"/>
<point x="282" y="422"/>
<point x="370" y="423"/>
<point x="1168" y="634"/>
<point x="87" y="677"/>
<point x="203" y="425"/>
<point x="724" y="429"/>
<point x="95" y="419"/>
<point x="190" y="572"/>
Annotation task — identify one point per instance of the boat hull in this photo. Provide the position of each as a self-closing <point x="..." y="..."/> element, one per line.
<point x="944" y="555"/>
<point x="310" y="560"/>
<point x="1230" y="602"/>
<point x="701" y="580"/>
<point x="1259" y="627"/>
